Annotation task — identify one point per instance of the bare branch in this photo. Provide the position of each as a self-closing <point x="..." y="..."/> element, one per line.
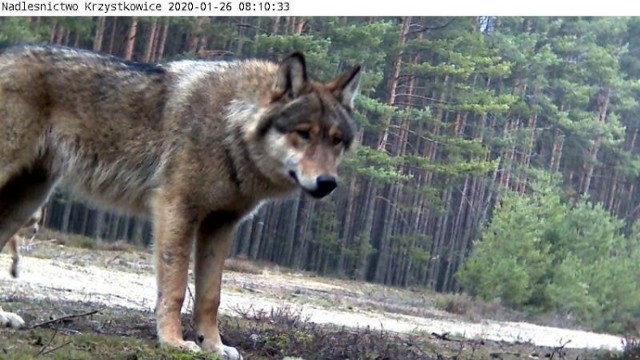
<point x="68" y="317"/>
<point x="56" y="348"/>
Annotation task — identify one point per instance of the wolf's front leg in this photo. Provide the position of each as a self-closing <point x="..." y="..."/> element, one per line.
<point x="174" y="235"/>
<point x="214" y="238"/>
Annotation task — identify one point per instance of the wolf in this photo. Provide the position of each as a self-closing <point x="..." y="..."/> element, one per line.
<point x="193" y="145"/>
<point x="28" y="230"/>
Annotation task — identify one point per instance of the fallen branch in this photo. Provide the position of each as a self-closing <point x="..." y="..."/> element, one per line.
<point x="56" y="348"/>
<point x="49" y="322"/>
<point x="559" y="350"/>
<point x="443" y="336"/>
<point x="49" y="343"/>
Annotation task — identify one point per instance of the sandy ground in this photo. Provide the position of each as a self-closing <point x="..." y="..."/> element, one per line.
<point x="135" y="288"/>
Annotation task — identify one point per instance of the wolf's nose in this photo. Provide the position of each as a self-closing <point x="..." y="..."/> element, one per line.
<point x="326" y="184"/>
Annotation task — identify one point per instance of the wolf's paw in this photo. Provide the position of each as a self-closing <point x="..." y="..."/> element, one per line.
<point x="189" y="345"/>
<point x="228" y="352"/>
<point x="182" y="345"/>
<point x="8" y="319"/>
<point x="224" y="351"/>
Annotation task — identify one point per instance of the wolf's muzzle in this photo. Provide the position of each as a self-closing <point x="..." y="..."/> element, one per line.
<point x="324" y="185"/>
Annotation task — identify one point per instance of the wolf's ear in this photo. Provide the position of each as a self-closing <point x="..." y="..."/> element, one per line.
<point x="347" y="86"/>
<point x="291" y="78"/>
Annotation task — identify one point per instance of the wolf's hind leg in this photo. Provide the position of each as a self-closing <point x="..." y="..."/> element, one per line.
<point x="20" y="196"/>
<point x="29" y="230"/>
<point x="14" y="250"/>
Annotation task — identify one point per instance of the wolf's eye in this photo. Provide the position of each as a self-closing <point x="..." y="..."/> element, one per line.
<point x="336" y="141"/>
<point x="305" y="134"/>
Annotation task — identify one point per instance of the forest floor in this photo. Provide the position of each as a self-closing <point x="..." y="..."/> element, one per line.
<point x="269" y="313"/>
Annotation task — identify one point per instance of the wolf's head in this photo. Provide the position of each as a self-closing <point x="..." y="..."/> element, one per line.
<point x="308" y="125"/>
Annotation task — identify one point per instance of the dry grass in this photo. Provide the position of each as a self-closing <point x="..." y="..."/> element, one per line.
<point x="472" y="308"/>
<point x="346" y="294"/>
<point x="85" y="242"/>
<point x="118" y="333"/>
<point x="241" y="264"/>
<point x="631" y="351"/>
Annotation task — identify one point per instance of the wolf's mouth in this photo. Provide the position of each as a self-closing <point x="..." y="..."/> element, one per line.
<point x="294" y="176"/>
<point x="318" y="193"/>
